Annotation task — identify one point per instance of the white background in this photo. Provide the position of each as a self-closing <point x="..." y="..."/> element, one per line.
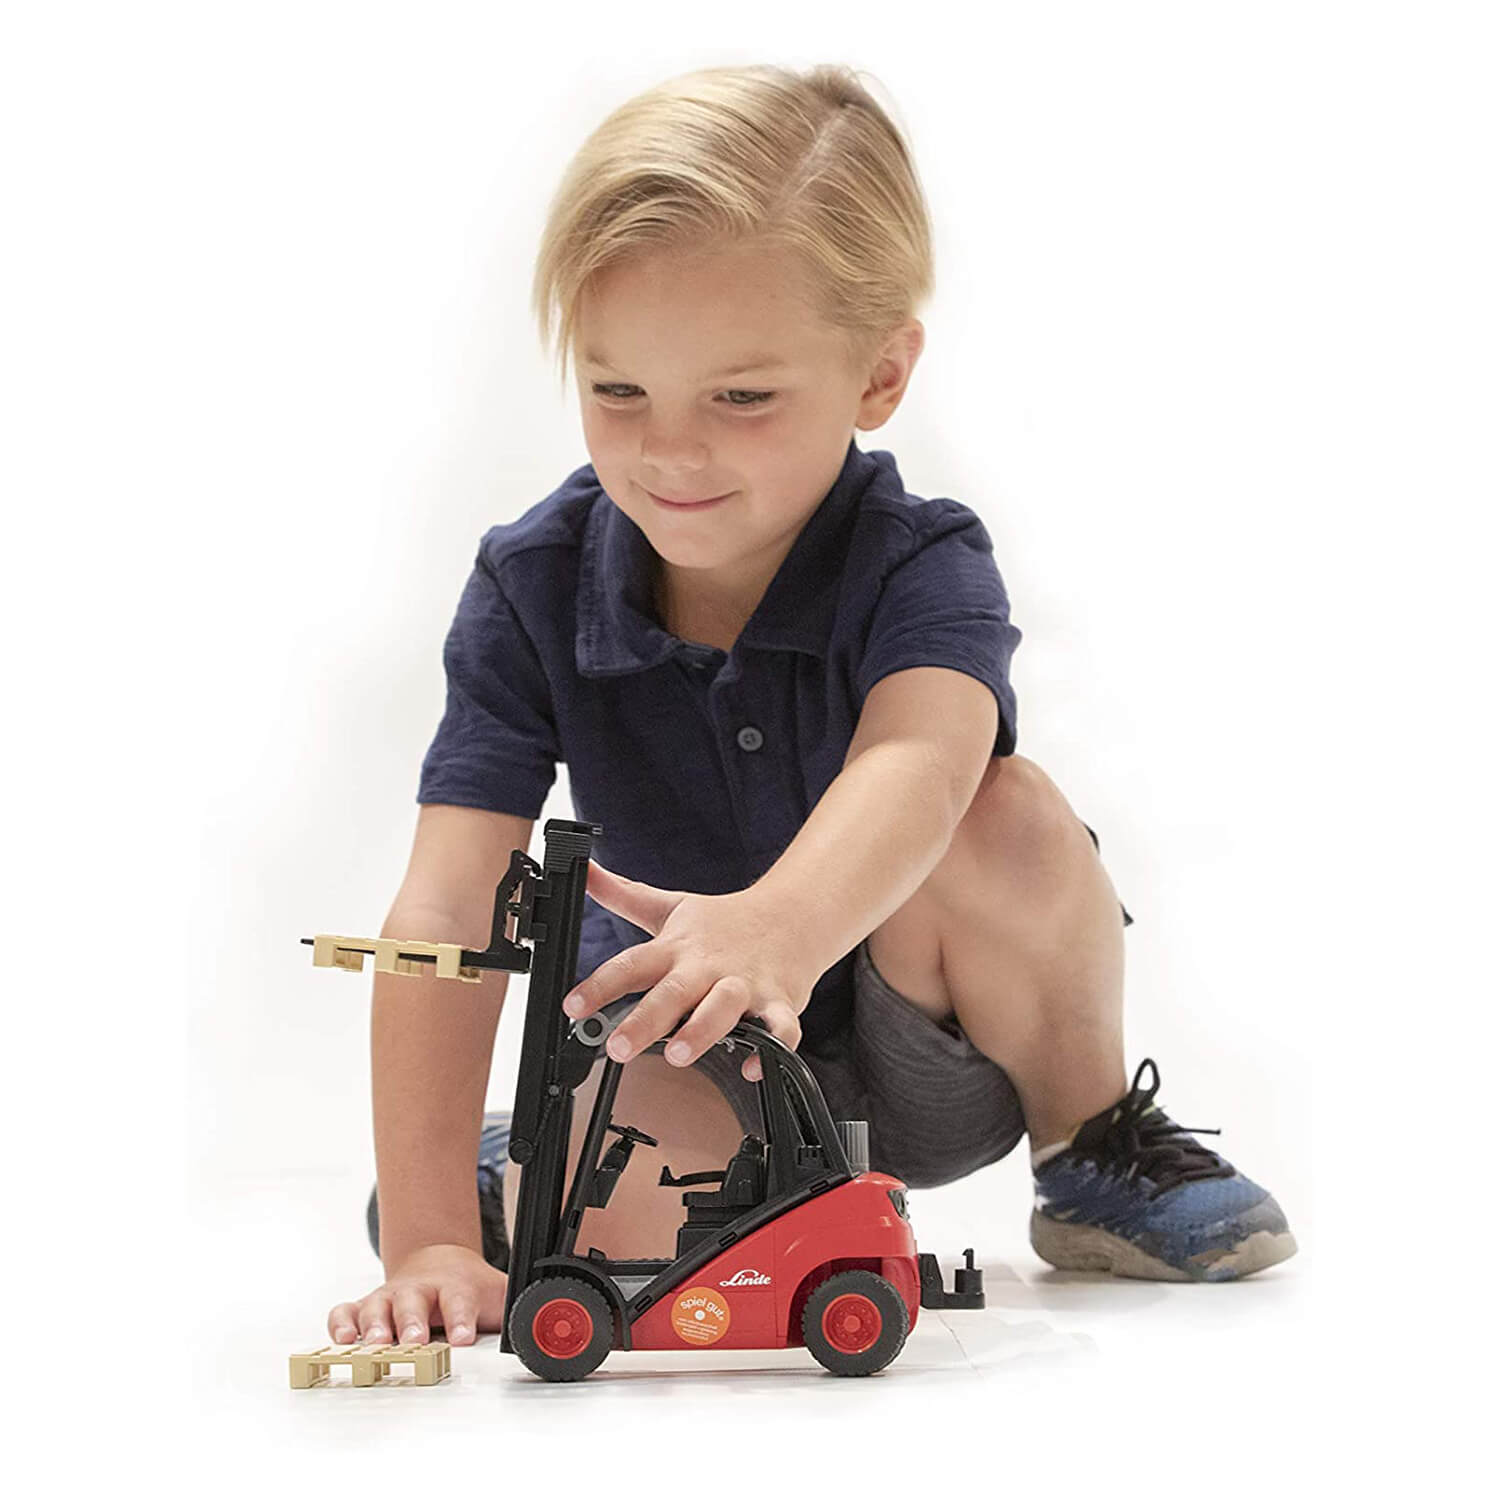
<point x="1213" y="354"/>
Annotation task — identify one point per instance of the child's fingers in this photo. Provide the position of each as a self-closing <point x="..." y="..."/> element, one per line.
<point x="784" y="1024"/>
<point x="659" y="1011"/>
<point x="711" y="1021"/>
<point x="634" y="968"/>
<point x="412" y="1306"/>
<point x="375" y="1318"/>
<point x="781" y="1021"/>
<point x="343" y="1323"/>
<point x="460" y="1310"/>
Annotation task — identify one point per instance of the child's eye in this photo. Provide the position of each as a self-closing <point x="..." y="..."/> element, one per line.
<point x="757" y="398"/>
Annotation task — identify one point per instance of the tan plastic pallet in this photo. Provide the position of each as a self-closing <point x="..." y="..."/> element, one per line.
<point x="369" y="1363"/>
<point x="333" y="952"/>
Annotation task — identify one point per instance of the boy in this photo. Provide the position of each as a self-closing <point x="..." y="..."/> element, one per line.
<point x="780" y="684"/>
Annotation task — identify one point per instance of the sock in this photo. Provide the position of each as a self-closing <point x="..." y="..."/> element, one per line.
<point x="1046" y="1153"/>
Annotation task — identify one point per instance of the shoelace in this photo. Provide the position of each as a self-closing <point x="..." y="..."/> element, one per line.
<point x="1158" y="1148"/>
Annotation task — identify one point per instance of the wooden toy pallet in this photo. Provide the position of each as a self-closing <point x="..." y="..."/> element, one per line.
<point x="369" y="1363"/>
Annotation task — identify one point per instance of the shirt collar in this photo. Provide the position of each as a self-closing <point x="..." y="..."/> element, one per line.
<point x="616" y="629"/>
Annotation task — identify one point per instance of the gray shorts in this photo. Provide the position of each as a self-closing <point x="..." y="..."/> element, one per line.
<point x="936" y="1106"/>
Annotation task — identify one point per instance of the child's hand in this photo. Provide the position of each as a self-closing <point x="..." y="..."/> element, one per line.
<point x="447" y="1284"/>
<point x="718" y="957"/>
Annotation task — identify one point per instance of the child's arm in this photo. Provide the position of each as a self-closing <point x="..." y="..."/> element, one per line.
<point x="919" y="753"/>
<point x="920" y="749"/>
<point x="430" y="1047"/>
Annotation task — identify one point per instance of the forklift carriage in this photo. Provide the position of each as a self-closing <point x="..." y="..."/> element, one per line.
<point x="794" y="1242"/>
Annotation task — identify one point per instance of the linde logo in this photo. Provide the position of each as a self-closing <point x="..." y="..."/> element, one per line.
<point x="747" y="1278"/>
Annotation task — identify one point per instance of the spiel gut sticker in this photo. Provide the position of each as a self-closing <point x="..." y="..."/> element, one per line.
<point x="700" y="1316"/>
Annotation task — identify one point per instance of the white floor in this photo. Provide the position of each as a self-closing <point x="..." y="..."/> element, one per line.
<point x="1075" y="1382"/>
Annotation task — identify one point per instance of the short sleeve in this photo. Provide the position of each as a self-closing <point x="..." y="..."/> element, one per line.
<point x="943" y="604"/>
<point x="496" y="746"/>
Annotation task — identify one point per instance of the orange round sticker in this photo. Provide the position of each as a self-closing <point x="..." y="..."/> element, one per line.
<point x="700" y="1316"/>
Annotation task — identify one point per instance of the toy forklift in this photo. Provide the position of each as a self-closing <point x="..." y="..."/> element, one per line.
<point x="795" y="1242"/>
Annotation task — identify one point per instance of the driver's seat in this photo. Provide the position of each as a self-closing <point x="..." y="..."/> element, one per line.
<point x="742" y="1186"/>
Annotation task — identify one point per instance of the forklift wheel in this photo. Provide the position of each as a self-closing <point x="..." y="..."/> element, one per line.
<point x="561" y="1328"/>
<point x="855" y="1323"/>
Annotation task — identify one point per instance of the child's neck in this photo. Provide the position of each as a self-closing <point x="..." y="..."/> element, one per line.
<point x="700" y="618"/>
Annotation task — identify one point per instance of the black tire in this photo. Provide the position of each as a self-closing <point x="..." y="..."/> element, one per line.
<point x="872" y="1332"/>
<point x="563" y="1350"/>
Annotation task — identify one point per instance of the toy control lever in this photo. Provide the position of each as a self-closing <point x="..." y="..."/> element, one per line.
<point x="689" y="1178"/>
<point x="616" y="1159"/>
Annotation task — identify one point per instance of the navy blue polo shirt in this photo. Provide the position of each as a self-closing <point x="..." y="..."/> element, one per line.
<point x="702" y="765"/>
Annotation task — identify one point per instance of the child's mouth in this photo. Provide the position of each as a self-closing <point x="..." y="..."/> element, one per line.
<point x="690" y="505"/>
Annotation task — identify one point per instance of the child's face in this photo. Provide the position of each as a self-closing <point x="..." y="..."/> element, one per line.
<point x="662" y="421"/>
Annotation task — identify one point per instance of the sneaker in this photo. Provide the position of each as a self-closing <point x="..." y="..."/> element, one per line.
<point x="1134" y="1194"/>
<point x="494" y="1144"/>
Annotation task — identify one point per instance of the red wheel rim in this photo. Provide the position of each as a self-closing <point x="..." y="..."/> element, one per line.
<point x="562" y="1328"/>
<point x="851" y="1323"/>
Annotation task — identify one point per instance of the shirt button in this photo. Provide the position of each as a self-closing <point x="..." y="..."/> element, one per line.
<point x="750" y="738"/>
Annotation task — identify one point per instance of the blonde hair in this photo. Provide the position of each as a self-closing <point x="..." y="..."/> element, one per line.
<point x="809" y="162"/>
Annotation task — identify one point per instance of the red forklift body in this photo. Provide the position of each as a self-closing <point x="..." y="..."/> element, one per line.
<point x="752" y="1295"/>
